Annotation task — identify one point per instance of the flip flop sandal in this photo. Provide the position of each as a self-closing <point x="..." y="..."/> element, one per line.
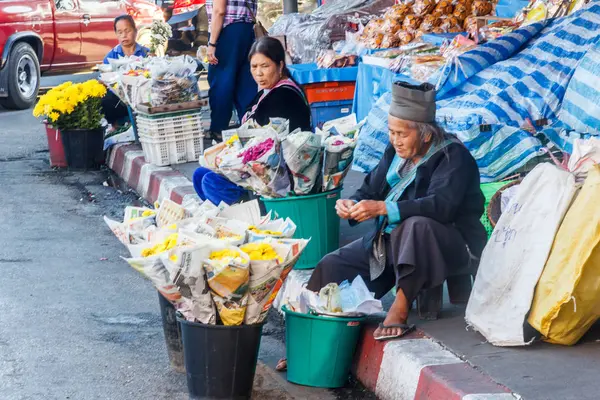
<point x="281" y="365"/>
<point x="406" y="329"/>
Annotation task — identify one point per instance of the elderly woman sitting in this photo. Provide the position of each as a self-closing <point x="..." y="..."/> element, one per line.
<point x="425" y="200"/>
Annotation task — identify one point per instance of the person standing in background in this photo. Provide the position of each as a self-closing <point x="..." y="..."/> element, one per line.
<point x="231" y="26"/>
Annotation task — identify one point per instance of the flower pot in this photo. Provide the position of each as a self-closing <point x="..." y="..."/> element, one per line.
<point x="55" y="147"/>
<point x="84" y="148"/>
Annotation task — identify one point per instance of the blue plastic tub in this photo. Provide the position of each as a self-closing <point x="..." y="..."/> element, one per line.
<point x="327" y="111"/>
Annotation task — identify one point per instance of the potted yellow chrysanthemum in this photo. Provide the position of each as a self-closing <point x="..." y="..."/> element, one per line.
<point x="75" y="110"/>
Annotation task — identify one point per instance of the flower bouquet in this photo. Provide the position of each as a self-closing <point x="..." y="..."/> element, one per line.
<point x="75" y="110"/>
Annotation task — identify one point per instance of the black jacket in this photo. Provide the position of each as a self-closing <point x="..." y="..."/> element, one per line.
<point x="283" y="102"/>
<point x="446" y="188"/>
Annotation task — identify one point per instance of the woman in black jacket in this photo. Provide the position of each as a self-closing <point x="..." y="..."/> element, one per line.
<point x="425" y="200"/>
<point x="279" y="97"/>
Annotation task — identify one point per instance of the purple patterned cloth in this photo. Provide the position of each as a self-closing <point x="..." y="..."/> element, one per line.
<point x="237" y="11"/>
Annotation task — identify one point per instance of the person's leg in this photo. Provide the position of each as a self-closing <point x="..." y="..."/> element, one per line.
<point x="197" y="178"/>
<point x="222" y="79"/>
<point x="219" y="189"/>
<point x="246" y="87"/>
<point x="347" y="263"/>
<point x="113" y="108"/>
<point x="422" y="251"/>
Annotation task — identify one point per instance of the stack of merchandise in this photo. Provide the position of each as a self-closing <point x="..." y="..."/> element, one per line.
<point x="216" y="264"/>
<point x="156" y="81"/>
<point x="272" y="162"/>
<point x="408" y="21"/>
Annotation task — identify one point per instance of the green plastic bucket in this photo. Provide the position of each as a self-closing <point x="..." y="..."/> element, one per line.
<point x="320" y="349"/>
<point x="316" y="218"/>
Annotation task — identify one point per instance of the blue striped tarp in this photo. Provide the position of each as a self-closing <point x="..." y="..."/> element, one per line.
<point x="520" y="76"/>
<point x="580" y="109"/>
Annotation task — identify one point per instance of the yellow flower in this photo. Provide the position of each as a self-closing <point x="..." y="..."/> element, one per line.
<point x="168" y="244"/>
<point x="260" y="252"/>
<point x="53" y="116"/>
<point x="232" y="140"/>
<point x="148" y="213"/>
<point x="224" y="254"/>
<point x="264" y="232"/>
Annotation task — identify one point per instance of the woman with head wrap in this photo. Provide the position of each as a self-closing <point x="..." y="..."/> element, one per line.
<point x="425" y="200"/>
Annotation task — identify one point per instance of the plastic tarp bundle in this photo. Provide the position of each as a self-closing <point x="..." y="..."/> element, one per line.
<point x="515" y="255"/>
<point x="373" y="137"/>
<point x="511" y="88"/>
<point x="308" y="35"/>
<point x="568" y="293"/>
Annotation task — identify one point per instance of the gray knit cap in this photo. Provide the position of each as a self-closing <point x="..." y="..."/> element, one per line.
<point x="412" y="102"/>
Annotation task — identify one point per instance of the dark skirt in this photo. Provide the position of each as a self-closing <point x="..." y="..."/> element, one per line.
<point x="421" y="253"/>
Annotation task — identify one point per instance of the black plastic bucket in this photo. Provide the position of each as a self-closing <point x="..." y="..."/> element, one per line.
<point x="220" y="361"/>
<point x="84" y="148"/>
<point x="172" y="331"/>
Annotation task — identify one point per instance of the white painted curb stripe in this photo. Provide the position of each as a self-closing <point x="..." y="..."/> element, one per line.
<point x="128" y="163"/>
<point x="402" y="363"/>
<point x="168" y="184"/>
<point x="145" y="174"/>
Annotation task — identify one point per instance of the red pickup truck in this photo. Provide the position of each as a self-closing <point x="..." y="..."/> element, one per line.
<point x="59" y="36"/>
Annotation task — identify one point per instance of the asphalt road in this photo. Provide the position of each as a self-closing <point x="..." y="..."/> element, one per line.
<point x="76" y="322"/>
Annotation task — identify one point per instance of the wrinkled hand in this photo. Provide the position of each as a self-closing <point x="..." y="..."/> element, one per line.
<point x="343" y="206"/>
<point x="367" y="209"/>
<point x="210" y="54"/>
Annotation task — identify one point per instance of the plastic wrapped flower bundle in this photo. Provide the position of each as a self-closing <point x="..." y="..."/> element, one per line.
<point x="263" y="159"/>
<point x="192" y="260"/>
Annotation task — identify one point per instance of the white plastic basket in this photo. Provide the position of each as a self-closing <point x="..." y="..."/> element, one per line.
<point x="169" y="125"/>
<point x="172" y="149"/>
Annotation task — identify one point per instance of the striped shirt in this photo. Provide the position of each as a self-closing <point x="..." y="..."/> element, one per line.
<point x="237" y="11"/>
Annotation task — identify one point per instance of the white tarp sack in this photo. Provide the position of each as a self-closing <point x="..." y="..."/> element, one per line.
<point x="515" y="255"/>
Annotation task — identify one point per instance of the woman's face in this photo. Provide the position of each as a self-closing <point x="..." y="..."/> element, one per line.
<point x="264" y="71"/>
<point x="405" y="138"/>
<point x="125" y="33"/>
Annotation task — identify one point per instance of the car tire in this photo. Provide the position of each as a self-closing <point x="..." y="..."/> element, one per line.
<point x="23" y="69"/>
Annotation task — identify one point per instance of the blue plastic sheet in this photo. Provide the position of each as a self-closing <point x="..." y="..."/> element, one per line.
<point x="371" y="83"/>
<point x="304" y="74"/>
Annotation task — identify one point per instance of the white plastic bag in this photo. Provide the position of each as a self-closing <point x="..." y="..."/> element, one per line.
<point x="515" y="255"/>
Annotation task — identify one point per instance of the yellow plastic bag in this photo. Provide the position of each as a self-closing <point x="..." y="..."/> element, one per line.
<point x="567" y="296"/>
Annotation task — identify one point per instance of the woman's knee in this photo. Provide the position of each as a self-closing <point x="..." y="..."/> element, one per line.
<point x="417" y="223"/>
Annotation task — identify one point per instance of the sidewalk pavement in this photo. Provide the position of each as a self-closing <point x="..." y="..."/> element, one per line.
<point x="442" y="359"/>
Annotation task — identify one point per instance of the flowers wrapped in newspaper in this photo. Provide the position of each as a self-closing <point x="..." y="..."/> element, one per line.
<point x="270" y="263"/>
<point x="195" y="262"/>
<point x="339" y="153"/>
<point x="279" y="228"/>
<point x="185" y="267"/>
<point x="228" y="273"/>
<point x="258" y="166"/>
<point x="302" y="152"/>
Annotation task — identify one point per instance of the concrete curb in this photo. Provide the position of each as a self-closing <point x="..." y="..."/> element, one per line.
<point x="415" y="367"/>
<point x="149" y="181"/>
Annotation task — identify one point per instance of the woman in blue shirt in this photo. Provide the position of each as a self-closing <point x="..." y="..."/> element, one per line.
<point x="126" y="31"/>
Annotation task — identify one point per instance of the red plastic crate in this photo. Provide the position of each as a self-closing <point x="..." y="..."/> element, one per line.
<point x="329" y="91"/>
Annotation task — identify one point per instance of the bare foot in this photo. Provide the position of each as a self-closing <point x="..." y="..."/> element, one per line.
<point x="397" y="315"/>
